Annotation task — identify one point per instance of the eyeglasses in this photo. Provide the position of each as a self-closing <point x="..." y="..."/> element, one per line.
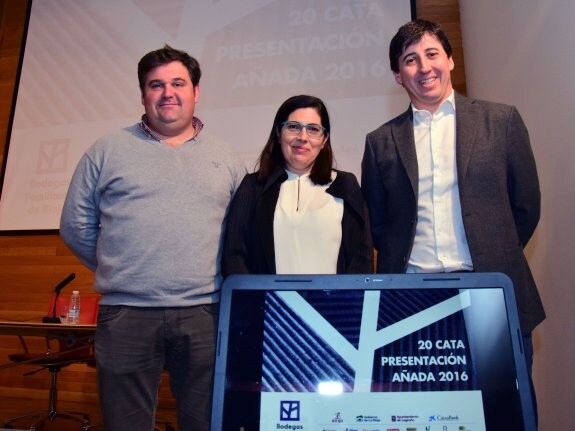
<point x="295" y="127"/>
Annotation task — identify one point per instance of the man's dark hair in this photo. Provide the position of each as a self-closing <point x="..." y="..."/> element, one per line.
<point x="412" y="32"/>
<point x="272" y="157"/>
<point x="166" y="55"/>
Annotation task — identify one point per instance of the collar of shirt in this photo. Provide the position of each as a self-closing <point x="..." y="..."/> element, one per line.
<point x="196" y="122"/>
<point x="446" y="107"/>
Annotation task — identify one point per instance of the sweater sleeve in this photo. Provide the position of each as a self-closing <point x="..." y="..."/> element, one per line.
<point x="80" y="220"/>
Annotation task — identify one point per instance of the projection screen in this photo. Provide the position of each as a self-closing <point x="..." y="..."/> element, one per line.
<point x="78" y="79"/>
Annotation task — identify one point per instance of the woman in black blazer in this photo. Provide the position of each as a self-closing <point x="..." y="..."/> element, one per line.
<point x="296" y="214"/>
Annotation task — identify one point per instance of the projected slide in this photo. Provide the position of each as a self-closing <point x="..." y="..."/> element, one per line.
<point x="78" y="79"/>
<point x="332" y="360"/>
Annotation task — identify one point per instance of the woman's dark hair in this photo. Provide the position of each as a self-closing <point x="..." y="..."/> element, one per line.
<point x="166" y="55"/>
<point x="410" y="33"/>
<point x="272" y="157"/>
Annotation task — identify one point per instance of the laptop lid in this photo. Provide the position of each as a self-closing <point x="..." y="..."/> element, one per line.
<point x="370" y="352"/>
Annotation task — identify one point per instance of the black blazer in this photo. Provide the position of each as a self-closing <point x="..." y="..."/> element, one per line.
<point x="249" y="241"/>
<point x="498" y="189"/>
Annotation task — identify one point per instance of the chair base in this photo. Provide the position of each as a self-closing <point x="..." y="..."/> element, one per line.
<point x="167" y="425"/>
<point x="40" y="417"/>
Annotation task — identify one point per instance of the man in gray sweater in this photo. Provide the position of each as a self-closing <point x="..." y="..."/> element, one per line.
<point x="145" y="211"/>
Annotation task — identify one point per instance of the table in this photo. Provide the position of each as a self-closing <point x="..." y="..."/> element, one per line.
<point x="76" y="337"/>
<point x="44" y="329"/>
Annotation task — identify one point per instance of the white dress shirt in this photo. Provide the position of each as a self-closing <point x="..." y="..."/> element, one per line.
<point x="307" y="227"/>
<point x="440" y="243"/>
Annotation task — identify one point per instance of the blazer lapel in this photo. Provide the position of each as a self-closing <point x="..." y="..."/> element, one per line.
<point x="265" y="216"/>
<point x="466" y="130"/>
<point x="402" y="133"/>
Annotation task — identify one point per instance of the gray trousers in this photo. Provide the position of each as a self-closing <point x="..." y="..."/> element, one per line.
<point x="134" y="345"/>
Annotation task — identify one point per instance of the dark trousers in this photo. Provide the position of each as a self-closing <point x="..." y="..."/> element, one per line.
<point x="134" y="345"/>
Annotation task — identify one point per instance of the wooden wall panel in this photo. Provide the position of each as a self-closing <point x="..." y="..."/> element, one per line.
<point x="446" y="14"/>
<point x="31" y="265"/>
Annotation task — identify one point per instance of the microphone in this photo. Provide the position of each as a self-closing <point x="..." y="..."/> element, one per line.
<point x="64" y="283"/>
<point x="53" y="318"/>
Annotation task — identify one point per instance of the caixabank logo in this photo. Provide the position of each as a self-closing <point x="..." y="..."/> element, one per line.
<point x="443" y="418"/>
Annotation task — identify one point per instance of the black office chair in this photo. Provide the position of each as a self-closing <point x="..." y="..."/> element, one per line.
<point x="69" y="351"/>
<point x="39" y="417"/>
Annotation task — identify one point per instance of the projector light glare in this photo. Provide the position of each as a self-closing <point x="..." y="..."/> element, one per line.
<point x="330" y="388"/>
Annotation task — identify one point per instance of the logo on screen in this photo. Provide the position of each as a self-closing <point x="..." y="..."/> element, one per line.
<point x="404" y="418"/>
<point x="289" y="411"/>
<point x="337" y="418"/>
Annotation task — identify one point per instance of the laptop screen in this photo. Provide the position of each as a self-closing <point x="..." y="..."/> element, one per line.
<point x="370" y="352"/>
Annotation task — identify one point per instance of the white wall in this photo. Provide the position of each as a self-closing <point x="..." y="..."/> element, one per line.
<point x="522" y="52"/>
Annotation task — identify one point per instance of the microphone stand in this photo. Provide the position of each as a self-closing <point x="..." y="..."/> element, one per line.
<point x="53" y="318"/>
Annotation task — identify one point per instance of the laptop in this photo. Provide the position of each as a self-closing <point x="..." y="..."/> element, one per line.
<point x="404" y="352"/>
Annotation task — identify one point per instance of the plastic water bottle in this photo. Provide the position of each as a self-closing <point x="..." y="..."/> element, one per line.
<point x="74" y="308"/>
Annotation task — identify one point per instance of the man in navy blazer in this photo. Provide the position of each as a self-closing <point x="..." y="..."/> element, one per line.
<point x="451" y="184"/>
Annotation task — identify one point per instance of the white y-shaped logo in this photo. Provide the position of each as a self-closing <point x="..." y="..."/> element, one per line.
<point x="370" y="339"/>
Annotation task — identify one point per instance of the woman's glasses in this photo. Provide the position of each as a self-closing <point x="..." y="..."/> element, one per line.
<point x="294" y="128"/>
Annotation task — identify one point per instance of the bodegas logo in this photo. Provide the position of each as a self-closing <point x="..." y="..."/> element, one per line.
<point x="289" y="427"/>
<point x="290" y="410"/>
